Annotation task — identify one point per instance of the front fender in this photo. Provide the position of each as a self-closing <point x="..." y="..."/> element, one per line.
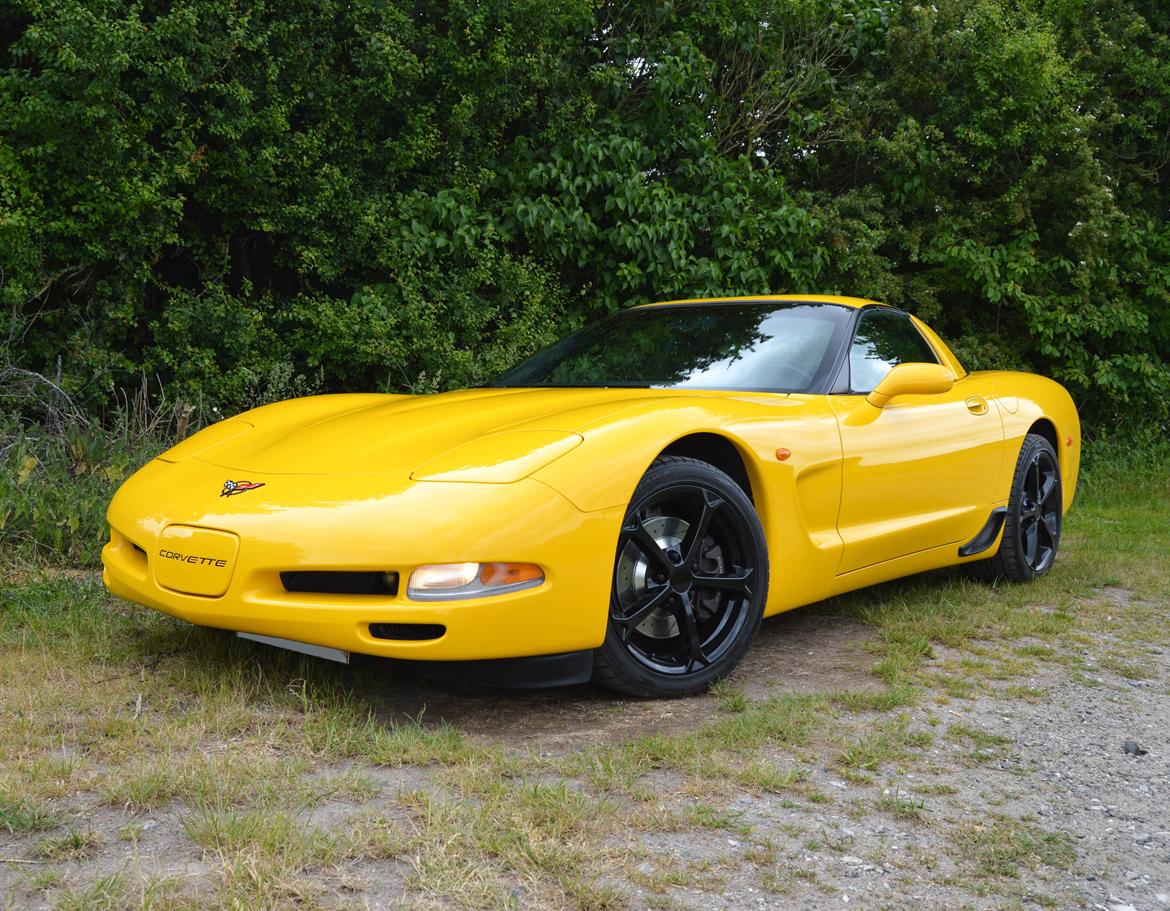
<point x="797" y="498"/>
<point x="1037" y="398"/>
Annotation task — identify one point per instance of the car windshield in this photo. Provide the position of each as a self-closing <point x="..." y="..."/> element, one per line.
<point x="764" y="346"/>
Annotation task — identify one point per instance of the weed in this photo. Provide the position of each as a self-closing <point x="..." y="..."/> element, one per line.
<point x="883" y="743"/>
<point x="1002" y="846"/>
<point x="70" y="846"/>
<point x="898" y="804"/>
<point x="19" y="815"/>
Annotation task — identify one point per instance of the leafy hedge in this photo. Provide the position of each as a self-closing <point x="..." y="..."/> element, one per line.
<point x="380" y="194"/>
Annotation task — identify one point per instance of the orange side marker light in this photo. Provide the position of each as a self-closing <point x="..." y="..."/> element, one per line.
<point x="1068" y="441"/>
<point x="782" y="454"/>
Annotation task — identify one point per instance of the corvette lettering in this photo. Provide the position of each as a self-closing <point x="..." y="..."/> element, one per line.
<point x="192" y="558"/>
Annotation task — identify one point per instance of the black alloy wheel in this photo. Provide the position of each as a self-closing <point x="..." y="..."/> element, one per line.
<point x="1038" y="528"/>
<point x="690" y="582"/>
<point x="1031" y="533"/>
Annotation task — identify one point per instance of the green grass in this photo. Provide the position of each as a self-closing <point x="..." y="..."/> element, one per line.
<point x="982" y="746"/>
<point x="769" y="778"/>
<point x="1127" y="668"/>
<point x="281" y="775"/>
<point x="70" y="846"/>
<point x="1003" y="846"/>
<point x="709" y="816"/>
<point x="544" y="836"/>
<point x="884" y="743"/>
<point x="896" y="803"/>
<point x="682" y="875"/>
<point x="19" y="815"/>
<point x="105" y="893"/>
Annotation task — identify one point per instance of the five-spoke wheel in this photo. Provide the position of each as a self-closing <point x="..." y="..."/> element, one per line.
<point x="1031" y="533"/>
<point x="690" y="580"/>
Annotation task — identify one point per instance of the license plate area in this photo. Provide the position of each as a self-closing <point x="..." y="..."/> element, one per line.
<point x="195" y="561"/>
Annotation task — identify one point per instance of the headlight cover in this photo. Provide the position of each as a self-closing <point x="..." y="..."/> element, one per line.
<point x="455" y="581"/>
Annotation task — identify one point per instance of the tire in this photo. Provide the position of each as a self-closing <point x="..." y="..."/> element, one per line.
<point x="1031" y="530"/>
<point x="683" y="607"/>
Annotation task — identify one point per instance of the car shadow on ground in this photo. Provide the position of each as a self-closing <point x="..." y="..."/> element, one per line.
<point x="814" y="649"/>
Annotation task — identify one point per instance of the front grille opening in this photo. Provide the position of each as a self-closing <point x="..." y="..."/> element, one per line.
<point x="341" y="583"/>
<point x="137" y="548"/>
<point x="413" y="632"/>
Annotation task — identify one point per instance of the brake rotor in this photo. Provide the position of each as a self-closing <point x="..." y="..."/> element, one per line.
<point x="635" y="578"/>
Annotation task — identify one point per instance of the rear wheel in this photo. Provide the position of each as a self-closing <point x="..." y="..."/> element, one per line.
<point x="1031" y="531"/>
<point x="690" y="580"/>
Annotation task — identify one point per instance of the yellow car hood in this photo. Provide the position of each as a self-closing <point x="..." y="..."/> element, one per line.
<point x="440" y="434"/>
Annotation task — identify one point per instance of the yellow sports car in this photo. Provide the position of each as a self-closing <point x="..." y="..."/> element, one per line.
<point x="625" y="505"/>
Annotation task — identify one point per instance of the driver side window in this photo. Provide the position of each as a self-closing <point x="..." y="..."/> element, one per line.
<point x="884" y="339"/>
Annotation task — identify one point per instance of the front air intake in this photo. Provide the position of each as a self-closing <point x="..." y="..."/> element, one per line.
<point x="340" y="583"/>
<point x="411" y="632"/>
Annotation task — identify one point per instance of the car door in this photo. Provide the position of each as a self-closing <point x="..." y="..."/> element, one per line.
<point x="919" y="472"/>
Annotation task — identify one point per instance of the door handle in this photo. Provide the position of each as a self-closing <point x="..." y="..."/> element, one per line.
<point x="977" y="404"/>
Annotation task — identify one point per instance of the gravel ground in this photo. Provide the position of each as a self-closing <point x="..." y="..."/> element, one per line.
<point x="1017" y="794"/>
<point x="1079" y="779"/>
<point x="1058" y="762"/>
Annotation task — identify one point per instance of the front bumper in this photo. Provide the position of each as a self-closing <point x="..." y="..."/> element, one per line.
<point x="371" y="523"/>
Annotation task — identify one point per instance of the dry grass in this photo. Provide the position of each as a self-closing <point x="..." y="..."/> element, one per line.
<point x="147" y="764"/>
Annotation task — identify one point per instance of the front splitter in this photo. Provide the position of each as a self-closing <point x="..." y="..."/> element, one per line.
<point x="305" y="648"/>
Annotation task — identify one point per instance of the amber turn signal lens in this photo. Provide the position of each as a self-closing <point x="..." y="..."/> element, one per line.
<point x="509" y="573"/>
<point x="782" y="454"/>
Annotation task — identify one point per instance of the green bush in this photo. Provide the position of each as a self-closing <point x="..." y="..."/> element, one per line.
<point x="55" y="486"/>
<point x="374" y="194"/>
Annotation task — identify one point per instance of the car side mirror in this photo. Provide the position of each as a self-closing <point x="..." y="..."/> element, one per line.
<point x="911" y="379"/>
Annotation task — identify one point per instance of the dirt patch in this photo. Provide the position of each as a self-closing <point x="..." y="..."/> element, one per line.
<point x="1122" y="597"/>
<point x="814" y="649"/>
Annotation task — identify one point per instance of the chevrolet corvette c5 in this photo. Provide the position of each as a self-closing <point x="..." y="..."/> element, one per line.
<point x="626" y="505"/>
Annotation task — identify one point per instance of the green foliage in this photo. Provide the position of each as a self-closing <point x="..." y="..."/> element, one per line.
<point x="202" y="192"/>
<point x="19" y="815"/>
<point x="386" y="195"/>
<point x="54" y="489"/>
<point x="1009" y="227"/>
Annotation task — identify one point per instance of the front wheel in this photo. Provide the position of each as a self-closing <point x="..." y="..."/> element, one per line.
<point x="1031" y="531"/>
<point x="690" y="580"/>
